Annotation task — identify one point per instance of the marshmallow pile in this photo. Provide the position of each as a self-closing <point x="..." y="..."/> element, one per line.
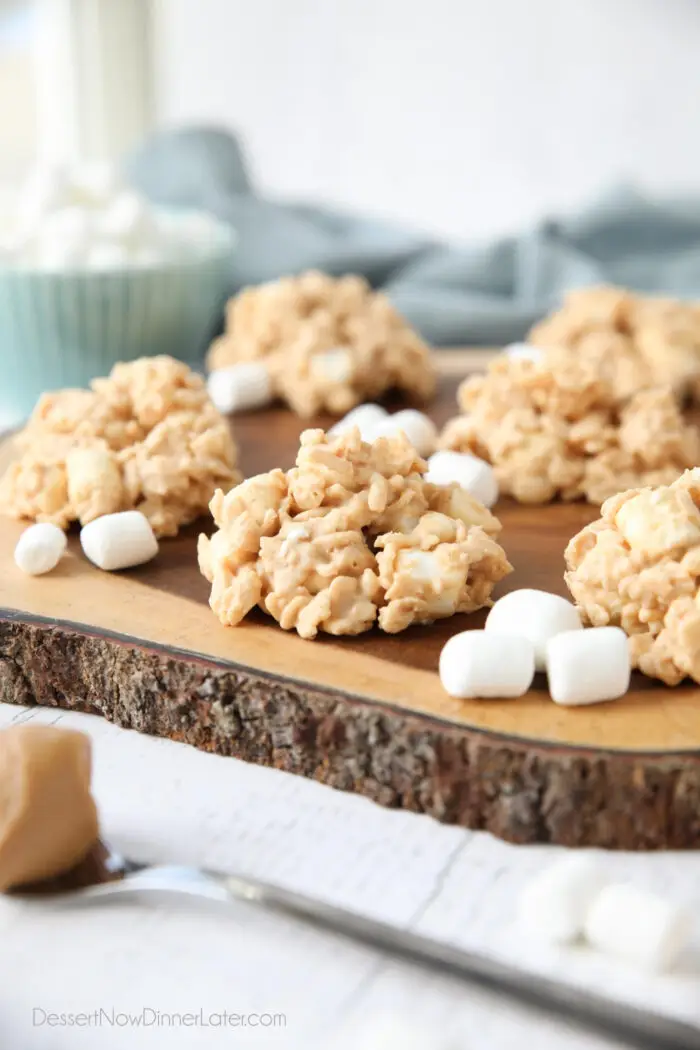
<point x="444" y="468"/>
<point x="87" y="218"/>
<point x="373" y="422"/>
<point x="573" y="900"/>
<point x="248" y="385"/>
<point x="528" y="631"/>
<point x="111" y="542"/>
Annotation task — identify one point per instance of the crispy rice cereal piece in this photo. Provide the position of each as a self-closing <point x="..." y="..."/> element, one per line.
<point x="328" y="343"/>
<point x="145" y="437"/>
<point x="349" y="535"/>
<point x="635" y="341"/>
<point x="638" y="567"/>
<point x="553" y="429"/>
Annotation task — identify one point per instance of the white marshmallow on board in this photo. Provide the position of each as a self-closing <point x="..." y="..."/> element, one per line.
<point x="637" y="926"/>
<point x="471" y="473"/>
<point x="524" y="352"/>
<point x="537" y="615"/>
<point x="553" y="905"/>
<point x="420" y="431"/>
<point x="480" y="664"/>
<point x="119" y="541"/>
<point x="364" y="417"/>
<point x="589" y="666"/>
<point x="40" y="548"/>
<point x="240" y="387"/>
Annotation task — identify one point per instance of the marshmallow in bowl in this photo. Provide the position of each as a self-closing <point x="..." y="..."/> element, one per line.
<point x="87" y="218"/>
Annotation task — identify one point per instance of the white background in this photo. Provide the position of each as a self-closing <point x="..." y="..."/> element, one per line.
<point x="464" y="117"/>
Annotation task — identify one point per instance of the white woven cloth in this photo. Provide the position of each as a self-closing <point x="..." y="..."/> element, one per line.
<point x="133" y="968"/>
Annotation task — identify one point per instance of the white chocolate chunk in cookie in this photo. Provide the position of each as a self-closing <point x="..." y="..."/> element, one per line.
<point x="657" y="521"/>
<point x="334" y="365"/>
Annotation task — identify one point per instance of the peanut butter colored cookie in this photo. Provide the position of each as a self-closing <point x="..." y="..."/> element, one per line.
<point x="328" y="343"/>
<point x="636" y="341"/>
<point x="48" y="819"/>
<point x="147" y="437"/>
<point x="638" y="567"/>
<point x="556" y="428"/>
<point x="351" y="535"/>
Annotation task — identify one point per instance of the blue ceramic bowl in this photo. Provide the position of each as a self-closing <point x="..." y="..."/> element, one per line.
<point x="64" y="328"/>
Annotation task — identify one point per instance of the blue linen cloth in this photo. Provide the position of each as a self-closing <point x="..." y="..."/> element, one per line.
<point x="454" y="295"/>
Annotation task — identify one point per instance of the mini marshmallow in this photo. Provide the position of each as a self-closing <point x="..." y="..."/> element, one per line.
<point x="471" y="473"/>
<point x="420" y="431"/>
<point x="588" y="667"/>
<point x="84" y="217"/>
<point x="40" y="548"/>
<point x="126" y="219"/>
<point x="332" y="366"/>
<point x="537" y="615"/>
<point x="524" y="352"/>
<point x="480" y="664"/>
<point x="147" y="257"/>
<point x="119" y="541"/>
<point x="554" y="904"/>
<point x="637" y="926"/>
<point x="240" y="387"/>
<point x="97" y="182"/>
<point x="364" y="417"/>
<point x="46" y="190"/>
<point x="107" y="256"/>
<point x="64" y="238"/>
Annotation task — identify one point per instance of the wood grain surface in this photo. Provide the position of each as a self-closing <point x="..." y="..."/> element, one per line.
<point x="366" y="714"/>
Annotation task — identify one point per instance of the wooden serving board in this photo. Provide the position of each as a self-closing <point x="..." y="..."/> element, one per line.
<point x="362" y="714"/>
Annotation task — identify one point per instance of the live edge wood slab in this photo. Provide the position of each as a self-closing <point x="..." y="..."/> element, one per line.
<point x="365" y="714"/>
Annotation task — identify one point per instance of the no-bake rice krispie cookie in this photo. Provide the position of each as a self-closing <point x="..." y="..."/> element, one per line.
<point x="145" y="437"/>
<point x="349" y="536"/>
<point x="328" y="343"/>
<point x="555" y="429"/>
<point x="637" y="341"/>
<point x="638" y="567"/>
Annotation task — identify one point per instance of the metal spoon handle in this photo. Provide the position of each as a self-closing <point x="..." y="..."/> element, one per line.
<point x="629" y="1025"/>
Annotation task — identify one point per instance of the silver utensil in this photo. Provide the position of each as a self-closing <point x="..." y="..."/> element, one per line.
<point x="629" y="1025"/>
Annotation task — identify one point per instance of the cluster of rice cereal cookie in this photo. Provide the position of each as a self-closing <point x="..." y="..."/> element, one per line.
<point x="638" y="567"/>
<point x="147" y="437"/>
<point x="351" y="535"/>
<point x="635" y="341"/>
<point x="554" y="427"/>
<point x="327" y="343"/>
